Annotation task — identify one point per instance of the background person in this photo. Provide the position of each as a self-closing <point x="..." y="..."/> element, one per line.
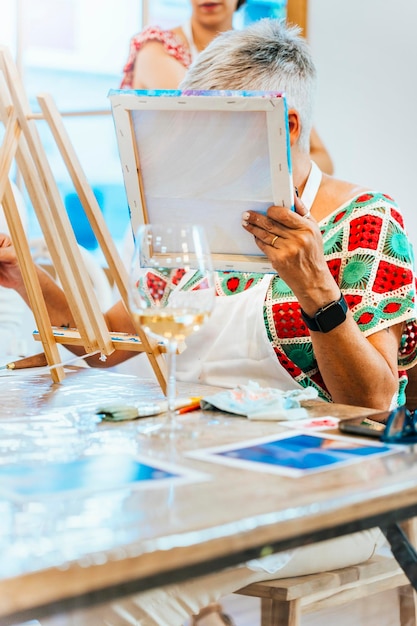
<point x="159" y="59"/>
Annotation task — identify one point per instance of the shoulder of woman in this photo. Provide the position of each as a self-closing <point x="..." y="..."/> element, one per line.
<point x="339" y="191"/>
<point x="179" y="33"/>
<point x="168" y="42"/>
<point x="344" y="191"/>
<point x="341" y="187"/>
<point x="335" y="193"/>
<point x="172" y="38"/>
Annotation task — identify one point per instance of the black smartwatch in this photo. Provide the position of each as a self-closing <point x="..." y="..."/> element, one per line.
<point x="328" y="317"/>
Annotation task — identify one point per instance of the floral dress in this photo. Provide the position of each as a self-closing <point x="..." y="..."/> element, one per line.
<point x="173" y="46"/>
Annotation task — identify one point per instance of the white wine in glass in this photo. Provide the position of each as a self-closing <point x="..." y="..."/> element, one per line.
<point x="171" y="294"/>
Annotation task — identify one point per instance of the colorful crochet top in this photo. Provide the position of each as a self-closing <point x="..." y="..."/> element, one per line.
<point x="173" y="46"/>
<point x="370" y="257"/>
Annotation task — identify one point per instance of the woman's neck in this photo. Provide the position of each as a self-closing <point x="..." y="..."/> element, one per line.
<point x="301" y="170"/>
<point x="204" y="34"/>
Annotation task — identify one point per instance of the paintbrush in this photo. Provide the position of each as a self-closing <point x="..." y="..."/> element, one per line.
<point x="122" y="412"/>
<point x="36" y="360"/>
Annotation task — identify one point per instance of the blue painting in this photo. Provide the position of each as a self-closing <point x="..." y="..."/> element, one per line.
<point x="87" y="474"/>
<point x="295" y="454"/>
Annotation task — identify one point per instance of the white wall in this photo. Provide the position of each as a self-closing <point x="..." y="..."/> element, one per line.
<point x="366" y="55"/>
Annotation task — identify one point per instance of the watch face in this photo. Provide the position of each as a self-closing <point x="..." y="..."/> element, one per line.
<point x="330" y="317"/>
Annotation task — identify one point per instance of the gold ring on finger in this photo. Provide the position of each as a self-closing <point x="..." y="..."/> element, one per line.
<point x="273" y="241"/>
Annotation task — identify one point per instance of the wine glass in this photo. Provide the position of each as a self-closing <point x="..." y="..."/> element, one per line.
<point x="171" y="294"/>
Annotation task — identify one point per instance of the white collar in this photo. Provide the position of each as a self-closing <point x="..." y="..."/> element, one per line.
<point x="312" y="186"/>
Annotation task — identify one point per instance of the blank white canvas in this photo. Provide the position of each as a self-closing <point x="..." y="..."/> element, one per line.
<point x="206" y="163"/>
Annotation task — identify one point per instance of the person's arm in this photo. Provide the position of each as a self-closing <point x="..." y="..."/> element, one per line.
<point x="155" y="69"/>
<point x="117" y="318"/>
<point x="356" y="369"/>
<point x="319" y="153"/>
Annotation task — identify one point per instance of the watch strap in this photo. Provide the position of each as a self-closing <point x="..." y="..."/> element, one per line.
<point x="327" y="317"/>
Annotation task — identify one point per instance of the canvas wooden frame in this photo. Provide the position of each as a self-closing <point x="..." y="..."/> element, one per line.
<point x="184" y="155"/>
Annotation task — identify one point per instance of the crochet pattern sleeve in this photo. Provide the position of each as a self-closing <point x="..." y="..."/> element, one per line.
<point x="370" y="257"/>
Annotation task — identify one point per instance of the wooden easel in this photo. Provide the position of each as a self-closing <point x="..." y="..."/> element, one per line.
<point x="23" y="144"/>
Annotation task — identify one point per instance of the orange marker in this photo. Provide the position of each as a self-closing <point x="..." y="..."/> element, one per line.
<point x="191" y="407"/>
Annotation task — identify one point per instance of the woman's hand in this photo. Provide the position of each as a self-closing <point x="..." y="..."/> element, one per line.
<point x="10" y="274"/>
<point x="293" y="243"/>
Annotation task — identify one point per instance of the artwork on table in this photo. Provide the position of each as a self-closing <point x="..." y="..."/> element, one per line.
<point x="294" y="453"/>
<point x="89" y="474"/>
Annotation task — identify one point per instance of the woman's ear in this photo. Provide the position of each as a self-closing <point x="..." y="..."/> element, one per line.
<point x="294" y="126"/>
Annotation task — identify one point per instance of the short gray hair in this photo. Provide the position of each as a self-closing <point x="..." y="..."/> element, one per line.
<point x="266" y="56"/>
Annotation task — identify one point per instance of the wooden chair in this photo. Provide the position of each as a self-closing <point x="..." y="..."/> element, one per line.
<point x="284" y="601"/>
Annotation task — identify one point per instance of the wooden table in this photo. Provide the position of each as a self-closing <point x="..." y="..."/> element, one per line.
<point x="74" y="551"/>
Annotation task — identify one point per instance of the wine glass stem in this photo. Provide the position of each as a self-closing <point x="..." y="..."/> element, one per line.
<point x="171" y="355"/>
